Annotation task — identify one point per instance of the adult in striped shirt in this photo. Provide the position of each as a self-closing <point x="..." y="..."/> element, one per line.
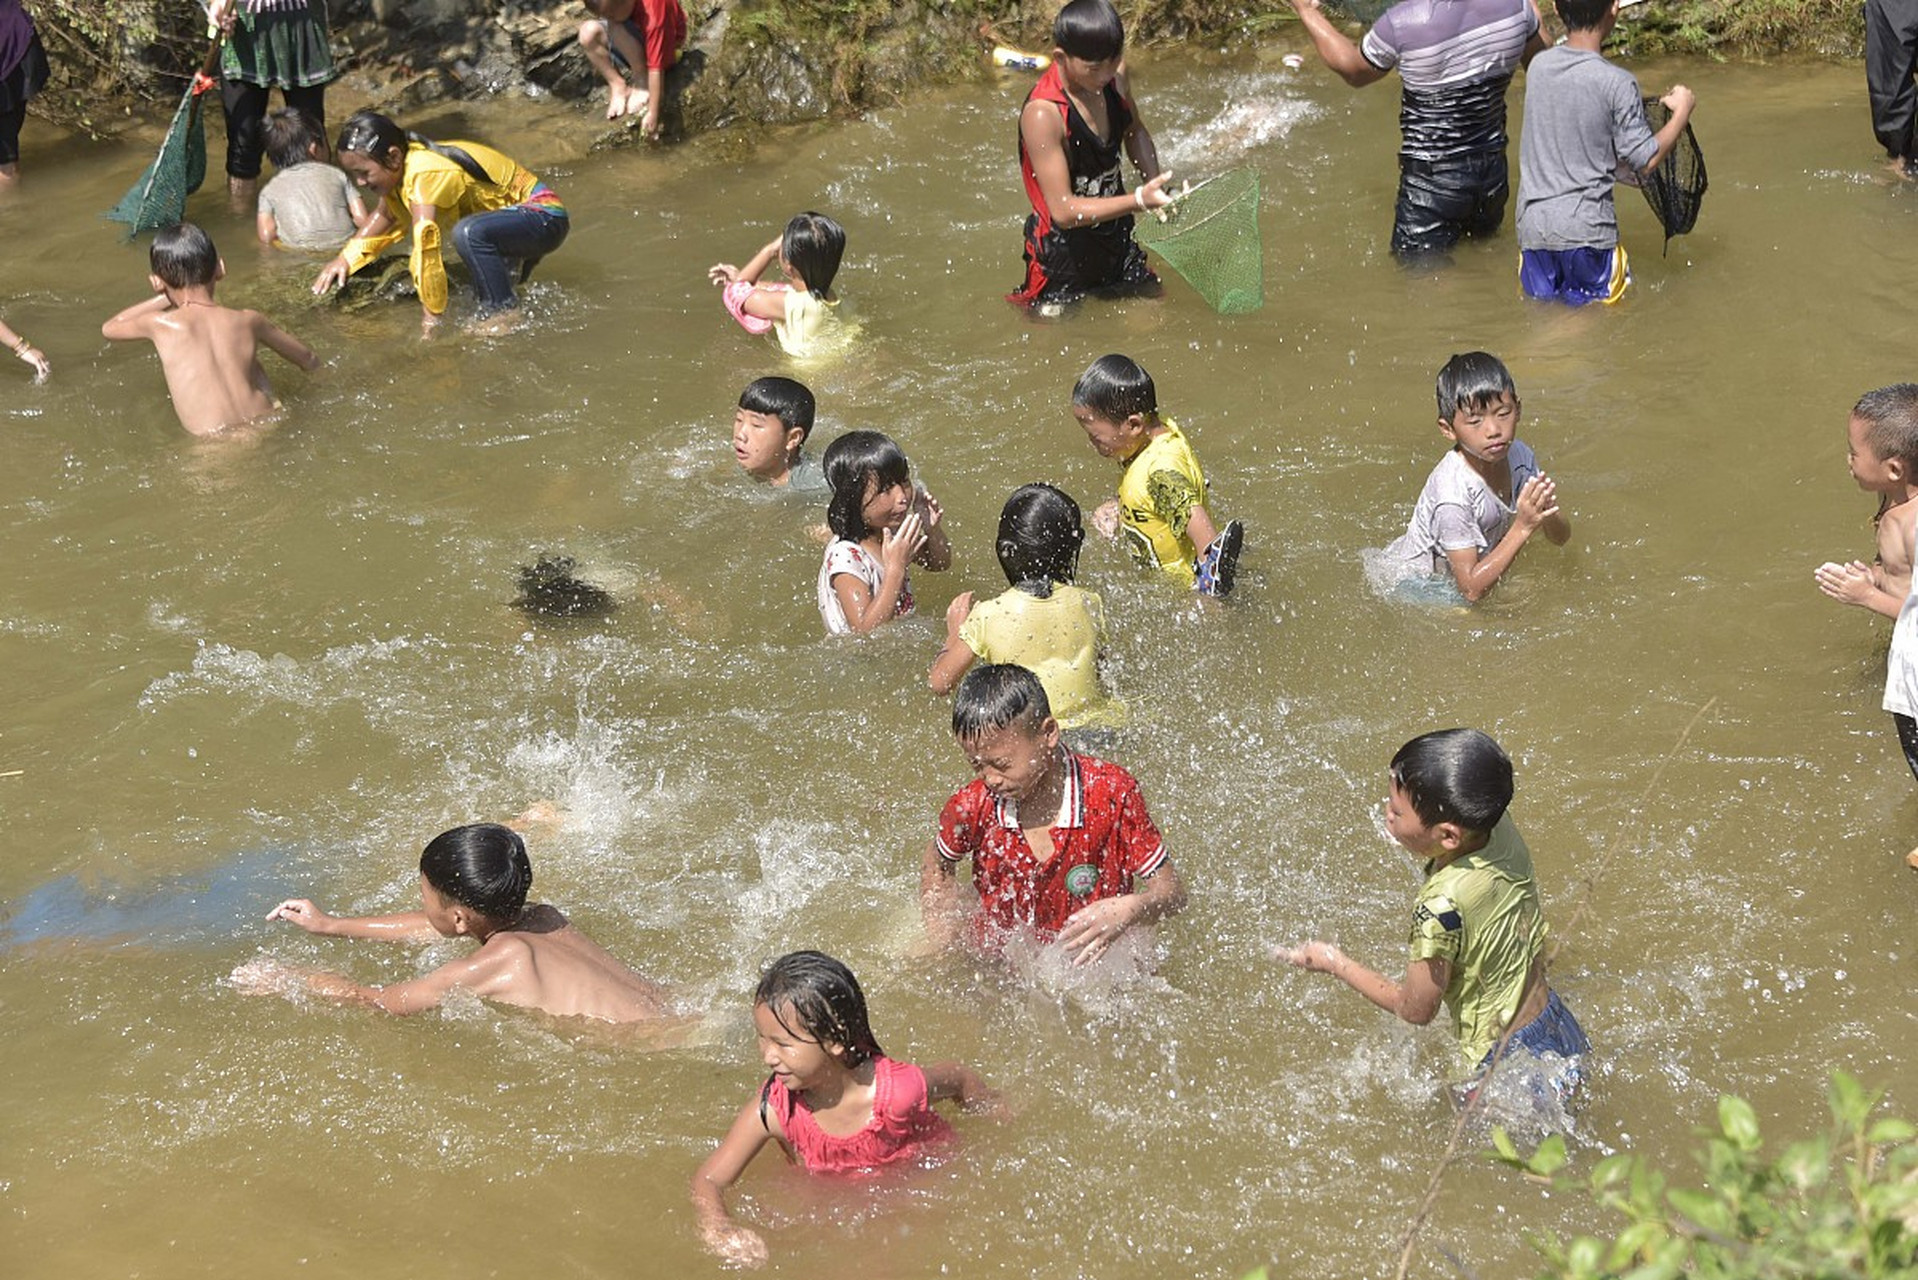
<point x="1455" y="59"/>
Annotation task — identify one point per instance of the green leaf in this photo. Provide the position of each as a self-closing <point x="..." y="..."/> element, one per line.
<point x="1585" y="1256"/>
<point x="1506" y="1148"/>
<point x="1738" y="1122"/>
<point x="1550" y="1156"/>
<point x="1886" y="1132"/>
<point x="1849" y="1102"/>
<point x="1702" y="1208"/>
<point x="1806" y="1164"/>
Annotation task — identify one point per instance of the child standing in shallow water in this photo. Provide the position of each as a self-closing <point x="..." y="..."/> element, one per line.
<point x="797" y="311"/>
<point x="833" y="1101"/>
<point x="1478" y="931"/>
<point x="210" y="353"/>
<point x="1882" y="435"/>
<point x="1487" y="497"/>
<point x="881" y="523"/>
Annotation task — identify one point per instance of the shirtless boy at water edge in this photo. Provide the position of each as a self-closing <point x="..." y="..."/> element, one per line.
<point x="211" y="353"/>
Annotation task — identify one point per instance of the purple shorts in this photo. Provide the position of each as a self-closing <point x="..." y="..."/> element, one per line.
<point x="1574" y="276"/>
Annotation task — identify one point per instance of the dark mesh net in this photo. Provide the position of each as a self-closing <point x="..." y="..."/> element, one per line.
<point x="158" y="199"/>
<point x="1210" y="236"/>
<point x="1676" y="187"/>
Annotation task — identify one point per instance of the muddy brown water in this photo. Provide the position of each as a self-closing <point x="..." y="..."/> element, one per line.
<point x="234" y="672"/>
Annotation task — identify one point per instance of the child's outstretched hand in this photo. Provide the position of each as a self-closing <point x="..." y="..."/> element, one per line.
<point x="1537" y="501"/>
<point x="739" y="1246"/>
<point x="1105" y="517"/>
<point x="1315" y="955"/>
<point x="1846" y="583"/>
<point x="898" y="546"/>
<point x="722" y="273"/>
<point x="303" y="912"/>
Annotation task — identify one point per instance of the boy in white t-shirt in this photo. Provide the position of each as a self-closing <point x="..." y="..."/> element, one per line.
<point x="1487" y="497"/>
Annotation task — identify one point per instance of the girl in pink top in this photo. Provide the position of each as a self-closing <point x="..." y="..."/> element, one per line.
<point x="834" y="1102"/>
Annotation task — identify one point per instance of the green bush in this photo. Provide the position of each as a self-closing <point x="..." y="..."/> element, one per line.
<point x="1841" y="1206"/>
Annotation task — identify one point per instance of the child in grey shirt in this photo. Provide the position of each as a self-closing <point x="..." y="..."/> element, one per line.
<point x="309" y="203"/>
<point x="1584" y="126"/>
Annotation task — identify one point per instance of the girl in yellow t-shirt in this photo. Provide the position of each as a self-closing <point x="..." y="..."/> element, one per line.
<point x="1044" y="624"/>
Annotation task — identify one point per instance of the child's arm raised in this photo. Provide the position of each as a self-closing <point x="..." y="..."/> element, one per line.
<point x="407" y="926"/>
<point x="955" y="658"/>
<point x="1679" y="102"/>
<point x="936" y="555"/>
<point x="765" y="304"/>
<point x="736" y="1244"/>
<point x="135" y="322"/>
<point x="1042" y="127"/>
<point x="1537" y="504"/>
<point x="1415" y="998"/>
<point x="867" y="611"/>
<point x="290" y="347"/>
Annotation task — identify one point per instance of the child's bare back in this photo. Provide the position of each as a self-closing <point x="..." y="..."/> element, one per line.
<point x="211" y="353"/>
<point x="544" y="963"/>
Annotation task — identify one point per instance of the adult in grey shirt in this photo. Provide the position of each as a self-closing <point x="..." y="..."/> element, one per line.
<point x="1455" y="59"/>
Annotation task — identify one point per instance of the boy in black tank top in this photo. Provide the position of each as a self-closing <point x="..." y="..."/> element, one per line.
<point x="1076" y="122"/>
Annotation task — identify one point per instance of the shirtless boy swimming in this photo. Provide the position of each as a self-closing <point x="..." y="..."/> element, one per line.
<point x="211" y="353"/>
<point x="473" y="883"/>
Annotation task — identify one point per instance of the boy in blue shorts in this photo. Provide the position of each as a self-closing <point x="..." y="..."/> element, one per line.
<point x="1478" y="932"/>
<point x="1584" y="121"/>
<point x="1161" y="506"/>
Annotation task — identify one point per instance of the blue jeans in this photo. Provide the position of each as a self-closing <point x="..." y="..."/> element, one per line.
<point x="491" y="243"/>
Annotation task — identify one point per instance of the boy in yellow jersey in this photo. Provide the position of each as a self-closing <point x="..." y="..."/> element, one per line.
<point x="1161" y="505"/>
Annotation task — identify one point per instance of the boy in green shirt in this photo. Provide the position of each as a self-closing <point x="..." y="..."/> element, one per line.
<point x="1478" y="934"/>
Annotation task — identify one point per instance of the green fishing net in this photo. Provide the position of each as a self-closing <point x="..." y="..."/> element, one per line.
<point x="158" y="199"/>
<point x="1210" y="236"/>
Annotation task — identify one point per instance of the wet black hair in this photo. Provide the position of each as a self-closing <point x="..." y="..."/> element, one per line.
<point x="183" y="255"/>
<point x="850" y="461"/>
<point x="1455" y="775"/>
<point x="1089" y="29"/>
<point x="784" y="398"/>
<point x="370" y="134"/>
<point x="1890" y="415"/>
<point x="812" y="246"/>
<point x="819" y="994"/>
<point x="1040" y="532"/>
<point x="550" y="588"/>
<point x="1115" y="387"/>
<point x="290" y="136"/>
<point x="995" y="696"/>
<point x="1582" y="15"/>
<point x="1474" y="380"/>
<point x="483" y="867"/>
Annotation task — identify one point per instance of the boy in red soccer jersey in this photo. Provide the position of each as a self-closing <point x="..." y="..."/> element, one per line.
<point x="1061" y="843"/>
